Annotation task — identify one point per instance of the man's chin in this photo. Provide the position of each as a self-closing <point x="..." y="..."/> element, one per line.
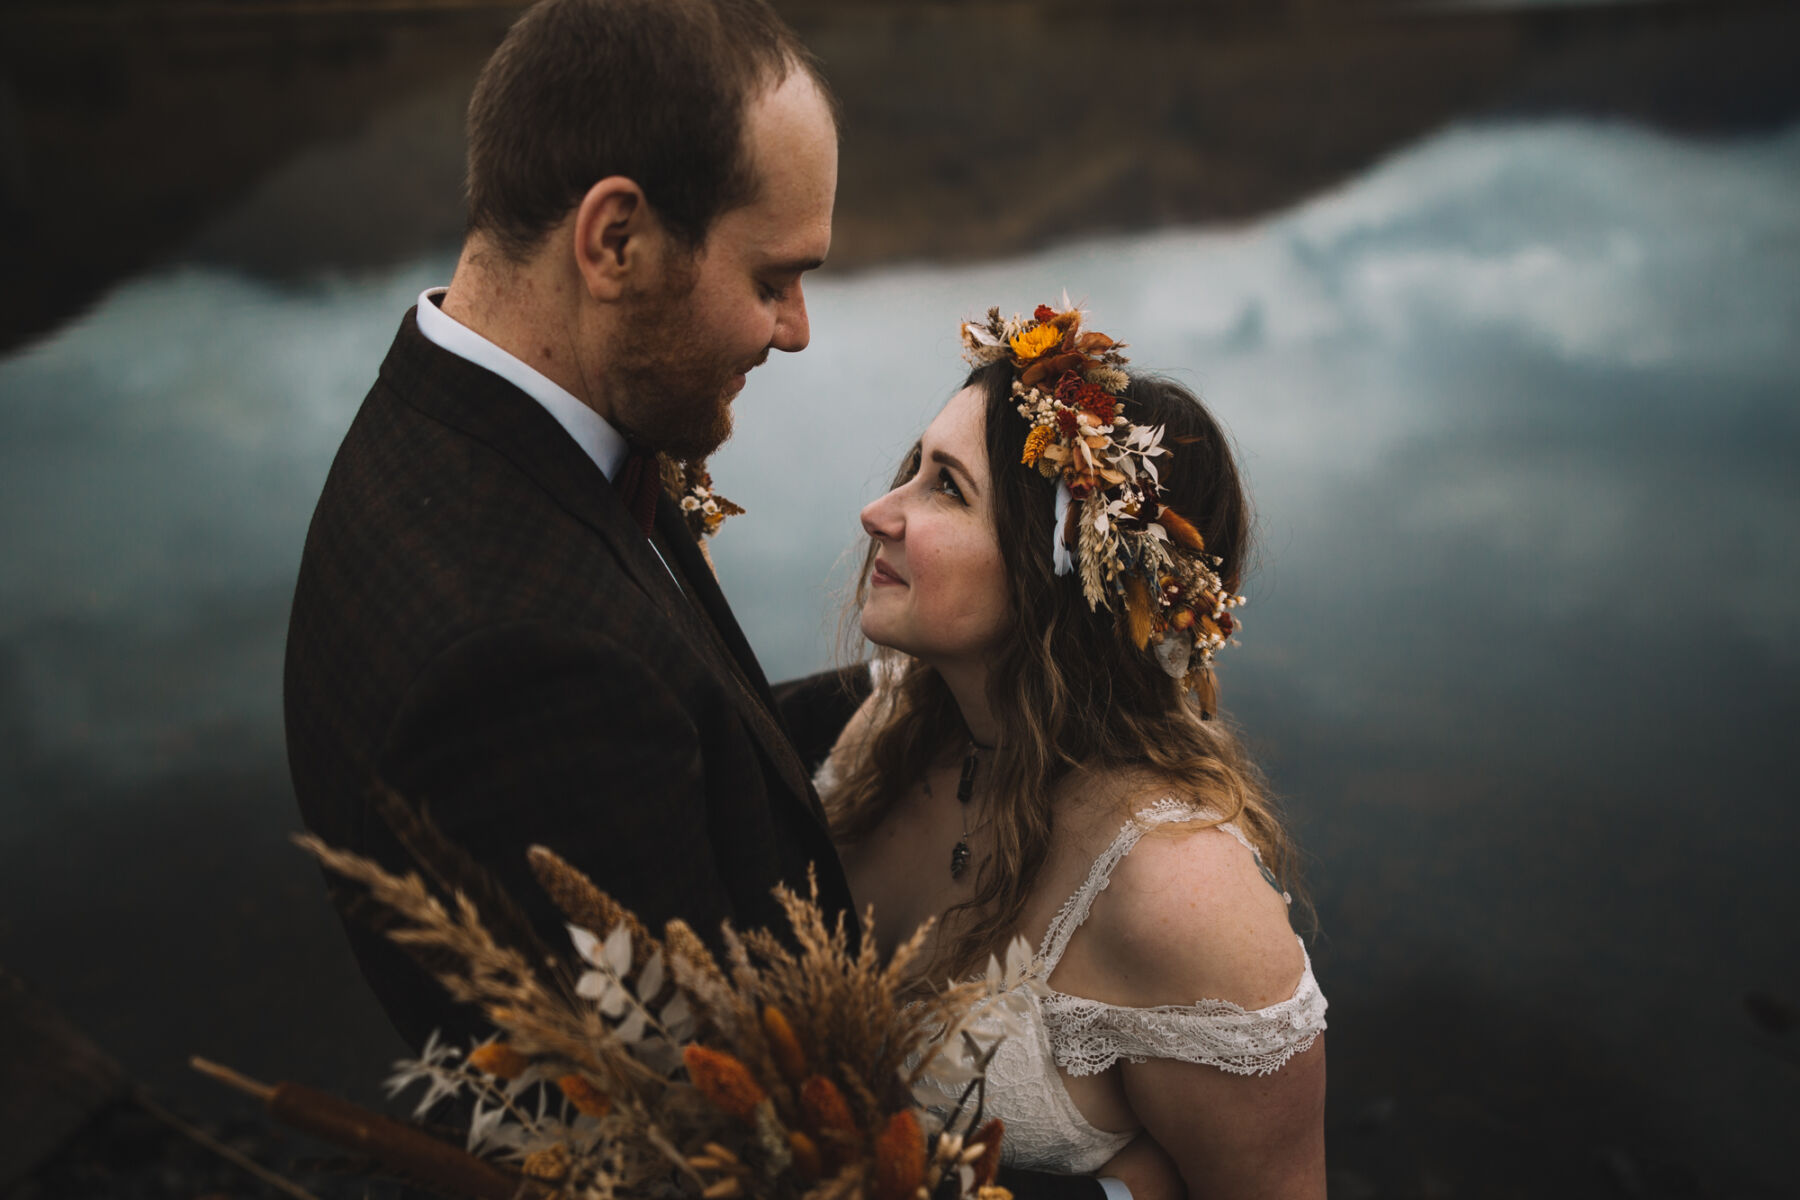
<point x="692" y="442"/>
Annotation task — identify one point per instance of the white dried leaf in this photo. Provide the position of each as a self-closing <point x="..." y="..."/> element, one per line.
<point x="617" y="952"/>
<point x="678" y="1016"/>
<point x="612" y="1001"/>
<point x="586" y="944"/>
<point x="650" y="979"/>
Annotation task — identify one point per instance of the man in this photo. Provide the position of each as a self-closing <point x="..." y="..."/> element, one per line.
<point x="495" y="616"/>
<point x="492" y="617"/>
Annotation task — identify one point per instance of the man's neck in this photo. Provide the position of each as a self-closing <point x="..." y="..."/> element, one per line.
<point x="527" y="311"/>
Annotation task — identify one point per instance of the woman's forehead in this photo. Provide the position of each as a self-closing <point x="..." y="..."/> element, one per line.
<point x="957" y="427"/>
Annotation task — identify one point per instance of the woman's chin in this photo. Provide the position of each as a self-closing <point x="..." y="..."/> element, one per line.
<point x="878" y="632"/>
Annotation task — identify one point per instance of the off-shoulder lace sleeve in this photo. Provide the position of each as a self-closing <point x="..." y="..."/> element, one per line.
<point x="1088" y="1036"/>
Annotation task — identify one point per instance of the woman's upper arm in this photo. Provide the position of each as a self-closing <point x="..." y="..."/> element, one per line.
<point x="1190" y="918"/>
<point x="1237" y="1136"/>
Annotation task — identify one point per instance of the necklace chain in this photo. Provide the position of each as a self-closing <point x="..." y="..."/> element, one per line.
<point x="965" y="791"/>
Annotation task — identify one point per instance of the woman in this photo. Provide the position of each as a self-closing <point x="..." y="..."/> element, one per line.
<point x="1050" y="577"/>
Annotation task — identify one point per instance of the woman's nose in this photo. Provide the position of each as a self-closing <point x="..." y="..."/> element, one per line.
<point x="881" y="518"/>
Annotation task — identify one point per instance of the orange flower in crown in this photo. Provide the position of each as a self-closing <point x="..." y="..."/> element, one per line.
<point x="1141" y="559"/>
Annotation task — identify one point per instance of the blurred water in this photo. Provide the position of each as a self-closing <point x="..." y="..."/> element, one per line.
<point x="1519" y="411"/>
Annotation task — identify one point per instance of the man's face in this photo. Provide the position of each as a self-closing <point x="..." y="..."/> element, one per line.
<point x="686" y="349"/>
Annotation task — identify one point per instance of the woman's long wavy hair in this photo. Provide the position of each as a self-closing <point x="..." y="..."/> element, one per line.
<point x="1066" y="687"/>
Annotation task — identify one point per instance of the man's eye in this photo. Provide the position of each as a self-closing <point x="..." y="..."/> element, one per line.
<point x="771" y="291"/>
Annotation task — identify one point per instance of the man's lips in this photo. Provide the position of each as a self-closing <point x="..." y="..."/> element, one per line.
<point x="883" y="576"/>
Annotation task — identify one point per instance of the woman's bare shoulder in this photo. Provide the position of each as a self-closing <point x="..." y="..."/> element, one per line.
<point x="1189" y="916"/>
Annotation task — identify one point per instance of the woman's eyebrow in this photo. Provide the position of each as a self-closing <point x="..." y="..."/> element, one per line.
<point x="955" y="464"/>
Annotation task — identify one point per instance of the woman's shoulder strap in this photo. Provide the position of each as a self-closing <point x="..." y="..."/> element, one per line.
<point x="1075" y="909"/>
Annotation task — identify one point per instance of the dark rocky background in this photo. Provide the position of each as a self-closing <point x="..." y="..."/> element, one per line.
<point x="161" y="910"/>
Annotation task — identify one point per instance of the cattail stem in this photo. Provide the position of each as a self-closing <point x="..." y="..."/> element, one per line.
<point x="435" y="1163"/>
<point x="231" y="1078"/>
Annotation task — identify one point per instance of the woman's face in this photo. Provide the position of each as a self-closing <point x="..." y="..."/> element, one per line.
<point x="937" y="590"/>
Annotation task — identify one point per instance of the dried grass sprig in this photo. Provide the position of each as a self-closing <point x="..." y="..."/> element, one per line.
<point x="456" y="872"/>
<point x="782" y="1072"/>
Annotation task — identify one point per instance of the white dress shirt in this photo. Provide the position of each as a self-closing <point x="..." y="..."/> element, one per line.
<point x="591" y="431"/>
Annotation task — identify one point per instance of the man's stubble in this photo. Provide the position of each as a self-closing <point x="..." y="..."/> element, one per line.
<point x="674" y="393"/>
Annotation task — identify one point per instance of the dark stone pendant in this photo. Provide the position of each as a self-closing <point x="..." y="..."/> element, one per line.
<point x="959" y="857"/>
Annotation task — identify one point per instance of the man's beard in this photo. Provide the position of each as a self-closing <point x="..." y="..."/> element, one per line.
<point x="673" y="395"/>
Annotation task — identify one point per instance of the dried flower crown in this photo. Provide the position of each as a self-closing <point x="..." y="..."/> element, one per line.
<point x="1140" y="558"/>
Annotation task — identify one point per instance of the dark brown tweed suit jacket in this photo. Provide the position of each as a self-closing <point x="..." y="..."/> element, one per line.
<point x="479" y="624"/>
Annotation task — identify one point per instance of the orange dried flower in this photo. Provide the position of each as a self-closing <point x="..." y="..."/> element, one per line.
<point x="498" y="1059"/>
<point x="1035" y="442"/>
<point x="790" y="1059"/>
<point x="725" y="1081"/>
<point x="825" y="1108"/>
<point x="900" y="1158"/>
<point x="988" y="1165"/>
<point x="586" y="1098"/>
<point x="827" y="1115"/>
<point x="806" y="1156"/>
<point x="1138" y="616"/>
<point x="1180" y="529"/>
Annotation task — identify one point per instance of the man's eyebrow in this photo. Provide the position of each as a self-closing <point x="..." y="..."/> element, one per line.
<point x="956" y="464"/>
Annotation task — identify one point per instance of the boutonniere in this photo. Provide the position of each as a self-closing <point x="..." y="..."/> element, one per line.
<point x="691" y="486"/>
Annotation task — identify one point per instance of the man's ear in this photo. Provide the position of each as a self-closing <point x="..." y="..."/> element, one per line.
<point x="617" y="238"/>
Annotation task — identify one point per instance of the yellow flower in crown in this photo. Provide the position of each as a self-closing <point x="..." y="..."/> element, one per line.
<point x="1032" y="343"/>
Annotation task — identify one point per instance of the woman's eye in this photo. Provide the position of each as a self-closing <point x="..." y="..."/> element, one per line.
<point x="947" y="485"/>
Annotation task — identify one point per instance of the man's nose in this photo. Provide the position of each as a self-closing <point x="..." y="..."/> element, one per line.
<point x="792" y="329"/>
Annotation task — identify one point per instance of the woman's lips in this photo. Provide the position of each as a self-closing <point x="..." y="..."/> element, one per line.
<point x="883" y="576"/>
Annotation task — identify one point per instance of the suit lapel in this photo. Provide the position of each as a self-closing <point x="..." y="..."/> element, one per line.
<point x="698" y="572"/>
<point x="735" y="653"/>
<point x="491" y="410"/>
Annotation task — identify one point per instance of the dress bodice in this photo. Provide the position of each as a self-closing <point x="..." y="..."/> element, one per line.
<point x="1051" y="1030"/>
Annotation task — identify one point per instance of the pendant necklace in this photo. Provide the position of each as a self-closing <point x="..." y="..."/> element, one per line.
<point x="965" y="790"/>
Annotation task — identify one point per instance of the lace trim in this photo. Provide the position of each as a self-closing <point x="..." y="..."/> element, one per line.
<point x="1075" y="909"/>
<point x="1088" y="1036"/>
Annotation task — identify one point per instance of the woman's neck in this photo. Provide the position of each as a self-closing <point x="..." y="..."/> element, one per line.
<point x="968" y="686"/>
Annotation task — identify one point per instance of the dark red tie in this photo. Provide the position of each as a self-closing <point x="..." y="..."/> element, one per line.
<point x="640" y="479"/>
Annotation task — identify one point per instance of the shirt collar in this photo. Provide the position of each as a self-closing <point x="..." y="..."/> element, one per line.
<point x="592" y="432"/>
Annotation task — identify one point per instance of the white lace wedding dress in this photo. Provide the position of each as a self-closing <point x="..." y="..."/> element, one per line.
<point x="1044" y="1129"/>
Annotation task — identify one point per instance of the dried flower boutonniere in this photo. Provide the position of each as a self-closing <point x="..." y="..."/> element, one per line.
<point x="690" y="485"/>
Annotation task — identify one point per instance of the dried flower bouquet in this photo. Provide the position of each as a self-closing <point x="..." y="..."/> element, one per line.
<point x="785" y="1072"/>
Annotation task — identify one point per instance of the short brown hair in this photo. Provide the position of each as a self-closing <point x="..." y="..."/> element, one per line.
<point x="653" y="90"/>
